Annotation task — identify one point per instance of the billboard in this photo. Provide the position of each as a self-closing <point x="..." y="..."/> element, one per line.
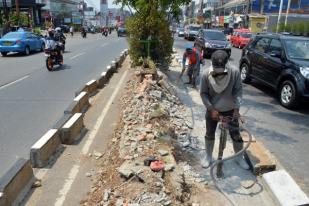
<point x="272" y="6"/>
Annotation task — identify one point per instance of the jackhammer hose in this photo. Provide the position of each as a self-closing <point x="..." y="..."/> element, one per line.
<point x="226" y="159"/>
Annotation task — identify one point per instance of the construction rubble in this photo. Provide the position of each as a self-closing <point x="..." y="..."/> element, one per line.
<point x="145" y="164"/>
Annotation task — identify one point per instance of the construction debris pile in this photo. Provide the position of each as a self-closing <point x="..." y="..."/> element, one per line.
<point x="140" y="166"/>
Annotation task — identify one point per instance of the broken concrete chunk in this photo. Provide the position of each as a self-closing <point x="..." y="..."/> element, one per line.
<point x="106" y="195"/>
<point x="157" y="94"/>
<point x="97" y="155"/>
<point x="169" y="167"/>
<point x="88" y="174"/>
<point x="163" y="152"/>
<point x="125" y="170"/>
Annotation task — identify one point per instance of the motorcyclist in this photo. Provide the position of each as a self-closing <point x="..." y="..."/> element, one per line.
<point x="51" y="43"/>
<point x="83" y="31"/>
<point x="59" y="36"/>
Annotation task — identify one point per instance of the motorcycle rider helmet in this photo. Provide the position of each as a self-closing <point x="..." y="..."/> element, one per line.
<point x="58" y="29"/>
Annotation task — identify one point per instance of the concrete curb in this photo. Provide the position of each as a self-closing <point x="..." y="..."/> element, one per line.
<point x="114" y="66"/>
<point x="91" y="86"/>
<point x="284" y="189"/>
<point x="72" y="128"/>
<point x="82" y="101"/>
<point x="44" y="148"/>
<point x="109" y="72"/>
<point x="102" y="80"/>
<point x="15" y="184"/>
<point x="72" y="108"/>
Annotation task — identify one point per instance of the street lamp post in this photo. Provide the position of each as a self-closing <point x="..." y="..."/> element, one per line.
<point x="279" y="15"/>
<point x="286" y="14"/>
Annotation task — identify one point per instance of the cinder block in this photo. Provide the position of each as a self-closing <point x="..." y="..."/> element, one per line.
<point x="72" y="128"/>
<point x="72" y="108"/>
<point x="126" y="51"/>
<point x="16" y="183"/>
<point x="102" y="80"/>
<point x="82" y="101"/>
<point x="91" y="86"/>
<point x="44" y="148"/>
<point x="284" y="189"/>
<point x="259" y="158"/>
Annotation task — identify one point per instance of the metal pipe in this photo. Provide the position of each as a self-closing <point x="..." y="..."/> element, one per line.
<point x="287" y="13"/>
<point x="279" y="15"/>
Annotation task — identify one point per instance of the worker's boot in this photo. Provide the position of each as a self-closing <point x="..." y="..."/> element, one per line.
<point x="240" y="159"/>
<point x="207" y="160"/>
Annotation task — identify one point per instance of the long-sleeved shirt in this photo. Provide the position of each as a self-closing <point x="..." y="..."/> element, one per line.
<point x="228" y="99"/>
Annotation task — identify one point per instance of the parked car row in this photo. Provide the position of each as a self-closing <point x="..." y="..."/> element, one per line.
<point x="21" y="41"/>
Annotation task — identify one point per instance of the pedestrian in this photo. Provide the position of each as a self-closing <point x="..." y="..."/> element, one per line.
<point x="193" y="64"/>
<point x="221" y="92"/>
<point x="198" y="68"/>
<point x="71" y="31"/>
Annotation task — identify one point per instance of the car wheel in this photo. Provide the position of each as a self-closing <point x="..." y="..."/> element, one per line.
<point x="244" y="73"/>
<point x="288" y="94"/>
<point x="27" y="50"/>
<point x="4" y="54"/>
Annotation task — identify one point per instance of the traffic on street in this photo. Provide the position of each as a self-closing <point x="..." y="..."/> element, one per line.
<point x="27" y="89"/>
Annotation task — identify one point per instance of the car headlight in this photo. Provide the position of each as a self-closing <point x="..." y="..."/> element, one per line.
<point x="304" y="71"/>
<point x="208" y="45"/>
<point x="229" y="46"/>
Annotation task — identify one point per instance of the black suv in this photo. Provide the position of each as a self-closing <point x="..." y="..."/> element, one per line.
<point x="281" y="62"/>
<point x="211" y="40"/>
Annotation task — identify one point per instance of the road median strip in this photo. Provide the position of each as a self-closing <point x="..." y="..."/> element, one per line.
<point x="72" y="128"/>
<point x="16" y="183"/>
<point x="44" y="148"/>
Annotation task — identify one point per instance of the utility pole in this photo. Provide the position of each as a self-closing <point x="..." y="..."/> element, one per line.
<point x="279" y="15"/>
<point x="17" y="10"/>
<point x="287" y="14"/>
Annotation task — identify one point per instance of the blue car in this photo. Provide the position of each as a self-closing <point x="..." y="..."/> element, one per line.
<point x="24" y="42"/>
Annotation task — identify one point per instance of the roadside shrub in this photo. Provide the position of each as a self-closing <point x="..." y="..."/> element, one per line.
<point x="37" y="30"/>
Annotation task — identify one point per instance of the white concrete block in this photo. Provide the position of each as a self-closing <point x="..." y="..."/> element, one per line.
<point x="44" y="139"/>
<point x="80" y="96"/>
<point x="73" y="119"/>
<point x="284" y="189"/>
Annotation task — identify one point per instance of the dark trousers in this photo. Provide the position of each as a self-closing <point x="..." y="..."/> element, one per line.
<point x="233" y="127"/>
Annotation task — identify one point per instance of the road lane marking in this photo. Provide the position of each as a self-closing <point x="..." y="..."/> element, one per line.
<point x="14" y="82"/>
<point x="75" y="169"/>
<point x="77" y="55"/>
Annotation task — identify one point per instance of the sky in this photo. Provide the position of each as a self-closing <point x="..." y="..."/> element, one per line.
<point x="96" y="4"/>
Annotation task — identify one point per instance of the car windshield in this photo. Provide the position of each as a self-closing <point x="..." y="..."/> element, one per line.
<point x="194" y="28"/>
<point x="297" y="49"/>
<point x="245" y="35"/>
<point x="181" y="29"/>
<point x="215" y="36"/>
<point x="12" y="36"/>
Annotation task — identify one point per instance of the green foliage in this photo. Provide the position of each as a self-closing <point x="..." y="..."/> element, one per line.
<point x="299" y="28"/>
<point x="151" y="22"/>
<point x="18" y="20"/>
<point x="37" y="30"/>
<point x="152" y="26"/>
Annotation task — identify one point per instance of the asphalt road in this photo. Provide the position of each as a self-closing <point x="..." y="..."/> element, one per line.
<point x="33" y="99"/>
<point x="284" y="132"/>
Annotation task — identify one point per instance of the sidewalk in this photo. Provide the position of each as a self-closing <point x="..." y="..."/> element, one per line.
<point x="241" y="186"/>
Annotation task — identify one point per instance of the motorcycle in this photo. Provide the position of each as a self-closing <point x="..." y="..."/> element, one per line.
<point x="53" y="57"/>
<point x="84" y="34"/>
<point x="104" y="33"/>
<point x="62" y="45"/>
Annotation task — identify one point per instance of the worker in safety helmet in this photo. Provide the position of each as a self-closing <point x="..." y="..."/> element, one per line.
<point x="193" y="64"/>
<point x="221" y="92"/>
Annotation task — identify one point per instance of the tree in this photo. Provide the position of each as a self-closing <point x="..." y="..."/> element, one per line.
<point x="148" y="28"/>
